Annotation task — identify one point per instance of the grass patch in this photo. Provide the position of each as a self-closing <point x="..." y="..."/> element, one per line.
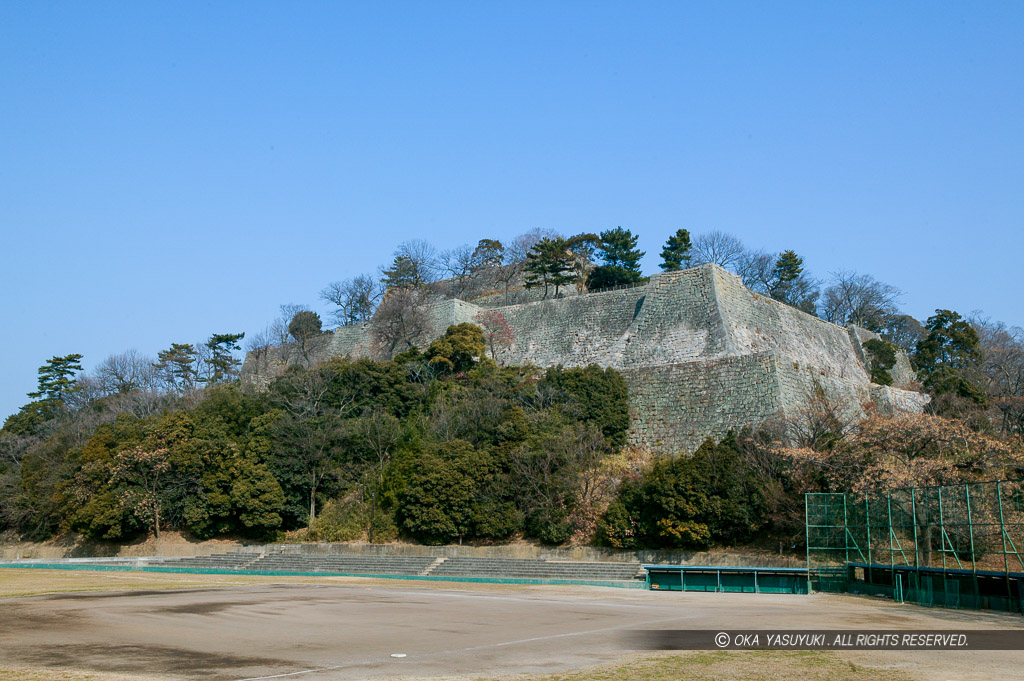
<point x="16" y="582"/>
<point x="35" y="674"/>
<point x="753" y="665"/>
<point x="22" y="582"/>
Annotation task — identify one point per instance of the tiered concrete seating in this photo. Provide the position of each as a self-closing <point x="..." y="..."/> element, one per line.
<point x="286" y="559"/>
<point x="535" y="568"/>
<point x="380" y="565"/>
<point x="221" y="561"/>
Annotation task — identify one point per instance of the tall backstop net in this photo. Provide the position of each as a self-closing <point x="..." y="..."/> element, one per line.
<point x="958" y="546"/>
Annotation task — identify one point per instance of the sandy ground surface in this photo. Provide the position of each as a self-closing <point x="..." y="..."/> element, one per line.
<point x="350" y="629"/>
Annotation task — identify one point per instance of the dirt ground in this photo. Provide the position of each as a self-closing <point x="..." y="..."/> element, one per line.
<point x="223" y="627"/>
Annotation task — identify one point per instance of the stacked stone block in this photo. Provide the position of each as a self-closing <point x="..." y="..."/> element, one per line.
<point x="701" y="353"/>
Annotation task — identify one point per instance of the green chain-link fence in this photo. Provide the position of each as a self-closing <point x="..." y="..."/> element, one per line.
<point x="949" y="545"/>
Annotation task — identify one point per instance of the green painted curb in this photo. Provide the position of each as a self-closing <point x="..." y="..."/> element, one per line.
<point x="287" y="573"/>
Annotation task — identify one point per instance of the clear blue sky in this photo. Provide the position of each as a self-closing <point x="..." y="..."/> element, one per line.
<point x="172" y="170"/>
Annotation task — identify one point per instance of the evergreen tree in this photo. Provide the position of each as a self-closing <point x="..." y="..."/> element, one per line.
<point x="177" y="364"/>
<point x="57" y="378"/>
<point x="788" y="267"/>
<point x="550" y="263"/>
<point x="688" y="502"/>
<point x="621" y="260"/>
<point x="676" y="253"/>
<point x="488" y="253"/>
<point x="403" y="273"/>
<point x="945" y="356"/>
<point x="458" y="350"/>
<point x="305" y="325"/>
<point x="788" y="283"/>
<point x="618" y="249"/>
<point x="224" y="365"/>
<point x="882" y="358"/>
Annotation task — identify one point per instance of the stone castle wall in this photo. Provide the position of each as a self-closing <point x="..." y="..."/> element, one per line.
<point x="675" y="407"/>
<point x="573" y="331"/>
<point x="701" y="353"/>
<point x="902" y="373"/>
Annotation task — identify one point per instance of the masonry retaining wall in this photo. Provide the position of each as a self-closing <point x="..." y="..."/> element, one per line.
<point x="702" y="354"/>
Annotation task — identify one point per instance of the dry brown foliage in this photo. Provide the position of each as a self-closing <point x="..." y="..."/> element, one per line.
<point x="887" y="452"/>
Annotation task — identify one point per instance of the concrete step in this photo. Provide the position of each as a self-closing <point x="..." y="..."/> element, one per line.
<point x="433" y="566"/>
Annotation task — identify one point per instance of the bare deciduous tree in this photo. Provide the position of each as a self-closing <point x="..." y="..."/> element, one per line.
<point x="587" y="452"/>
<point x="904" y="331"/>
<point x="204" y="366"/>
<point x="356" y="298"/>
<point x="128" y="382"/>
<point x="380" y="431"/>
<point x="823" y="422"/>
<point x="126" y="372"/>
<point x="859" y="299"/>
<point x="1002" y="369"/>
<point x="277" y="335"/>
<point x="399" y="321"/>
<point x="757" y="270"/>
<point x="458" y="263"/>
<point x="719" y="248"/>
<point x="514" y="257"/>
<point x="563" y="478"/>
<point x="423" y="257"/>
<point x="497" y="333"/>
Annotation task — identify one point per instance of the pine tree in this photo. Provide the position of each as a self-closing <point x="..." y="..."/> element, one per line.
<point x="403" y="273"/>
<point x="178" y="365"/>
<point x="550" y="263"/>
<point x="488" y="253"/>
<point x="788" y="283"/>
<point x="788" y="267"/>
<point x="944" y="359"/>
<point x="57" y="378"/>
<point x="621" y="260"/>
<point x="676" y="253"/>
<point x="222" y="362"/>
<point x="618" y="249"/>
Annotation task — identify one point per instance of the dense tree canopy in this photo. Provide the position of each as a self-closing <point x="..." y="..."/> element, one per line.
<point x="688" y="502"/>
<point x="437" y="446"/>
<point x="439" y="443"/>
<point x="458" y="350"/>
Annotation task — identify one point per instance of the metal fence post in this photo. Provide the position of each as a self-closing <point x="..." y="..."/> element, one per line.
<point x="913" y="513"/>
<point x="892" y="552"/>
<point x="970" y="533"/>
<point x="1002" y="535"/>
<point x="807" y="537"/>
<point x="846" y="536"/>
<point x="942" y="538"/>
<point x="867" y="527"/>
